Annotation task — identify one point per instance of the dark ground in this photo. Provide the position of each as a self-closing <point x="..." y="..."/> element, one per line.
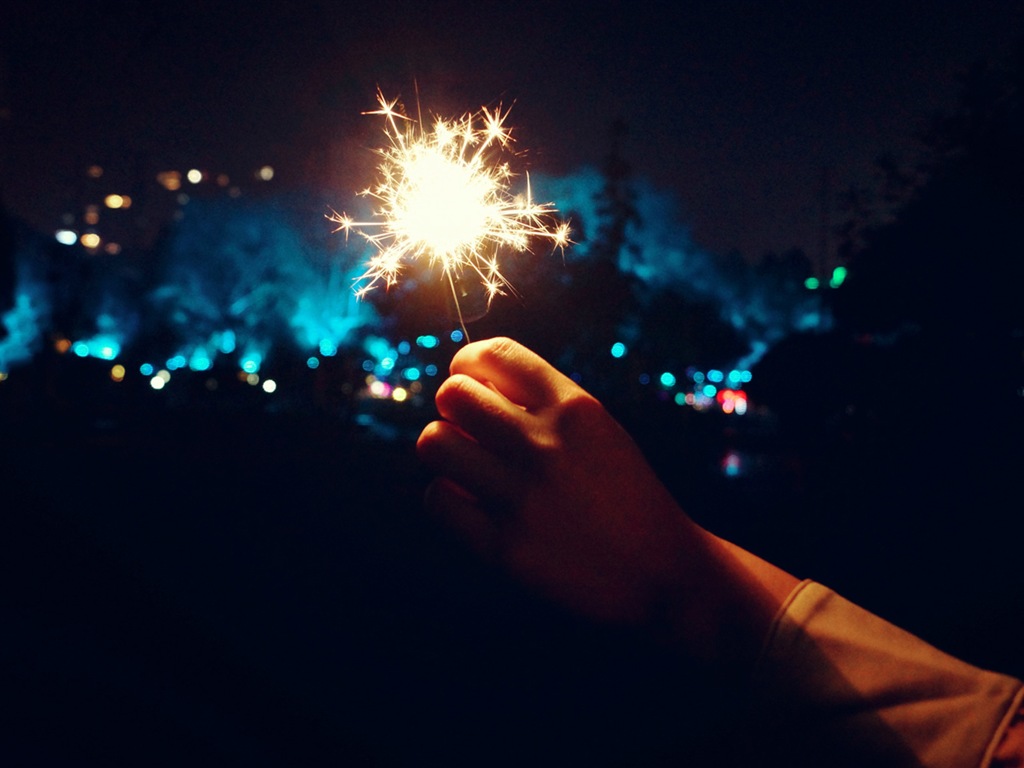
<point x="245" y="588"/>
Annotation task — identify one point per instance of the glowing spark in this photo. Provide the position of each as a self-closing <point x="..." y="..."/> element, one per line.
<point x="444" y="196"/>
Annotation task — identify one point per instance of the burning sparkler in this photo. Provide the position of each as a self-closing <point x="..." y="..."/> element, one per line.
<point x="444" y="195"/>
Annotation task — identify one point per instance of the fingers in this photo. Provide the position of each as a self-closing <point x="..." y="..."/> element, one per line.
<point x="485" y="415"/>
<point x="449" y="452"/>
<point x="519" y="374"/>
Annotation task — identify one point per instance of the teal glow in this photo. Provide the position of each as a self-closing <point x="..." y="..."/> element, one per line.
<point x="746" y="376"/>
<point x="251" y="362"/>
<point x="427" y="342"/>
<point x="387" y="363"/>
<point x="81" y="349"/>
<point x="328" y="348"/>
<point x="411" y="374"/>
<point x="226" y="342"/>
<point x="456" y="336"/>
<point x="667" y="379"/>
<point x="313" y="363"/>
<point x="146" y="369"/>
<point x="710" y="390"/>
<point x="812" y="283"/>
<point x="618" y="349"/>
<point x="430" y="370"/>
<point x="404" y="347"/>
<point x="176" y="362"/>
<point x="200" y="360"/>
<point x="368" y="366"/>
<point x="698" y="377"/>
<point x="680" y="398"/>
<point x="715" y="376"/>
<point x="734" y="377"/>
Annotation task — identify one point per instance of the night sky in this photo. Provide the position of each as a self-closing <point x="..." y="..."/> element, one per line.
<point x="739" y="109"/>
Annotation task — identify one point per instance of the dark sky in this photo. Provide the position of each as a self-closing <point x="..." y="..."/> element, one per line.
<point x="738" y="108"/>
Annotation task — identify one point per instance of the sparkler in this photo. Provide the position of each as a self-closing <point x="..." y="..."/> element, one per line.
<point x="444" y="195"/>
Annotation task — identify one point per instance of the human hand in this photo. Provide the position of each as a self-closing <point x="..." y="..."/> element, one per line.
<point x="536" y="475"/>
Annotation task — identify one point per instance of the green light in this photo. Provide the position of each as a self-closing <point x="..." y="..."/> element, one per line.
<point x="838" y="276"/>
<point x="812" y="283"/>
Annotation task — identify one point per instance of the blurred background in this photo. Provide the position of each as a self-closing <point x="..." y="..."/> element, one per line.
<point x="795" y="279"/>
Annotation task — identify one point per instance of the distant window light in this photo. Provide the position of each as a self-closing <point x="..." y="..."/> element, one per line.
<point x="169" y="180"/>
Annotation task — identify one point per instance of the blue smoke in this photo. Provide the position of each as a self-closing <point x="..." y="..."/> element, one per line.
<point x="243" y="281"/>
<point x="242" y="278"/>
<point x="26" y="321"/>
<point x="763" y="305"/>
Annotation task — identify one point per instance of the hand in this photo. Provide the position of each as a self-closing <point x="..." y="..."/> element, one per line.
<point x="536" y="475"/>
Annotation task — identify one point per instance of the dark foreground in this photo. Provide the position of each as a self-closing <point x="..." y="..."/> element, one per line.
<point x="254" y="589"/>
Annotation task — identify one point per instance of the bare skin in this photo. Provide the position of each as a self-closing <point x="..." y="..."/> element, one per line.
<point x="537" y="477"/>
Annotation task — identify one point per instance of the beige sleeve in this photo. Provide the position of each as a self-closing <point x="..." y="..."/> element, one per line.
<point x="840" y="686"/>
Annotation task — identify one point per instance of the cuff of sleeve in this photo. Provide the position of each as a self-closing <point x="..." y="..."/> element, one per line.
<point x="849" y="683"/>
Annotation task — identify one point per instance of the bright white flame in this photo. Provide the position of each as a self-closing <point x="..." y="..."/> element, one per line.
<point x="444" y="196"/>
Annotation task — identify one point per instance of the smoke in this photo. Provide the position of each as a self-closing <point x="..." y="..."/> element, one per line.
<point x="247" y="279"/>
<point x="763" y="301"/>
<point x="25" y="322"/>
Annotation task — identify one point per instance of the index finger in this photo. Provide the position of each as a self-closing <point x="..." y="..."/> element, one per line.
<point x="521" y="375"/>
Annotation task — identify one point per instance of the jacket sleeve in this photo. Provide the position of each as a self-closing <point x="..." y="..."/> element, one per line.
<point x="840" y="686"/>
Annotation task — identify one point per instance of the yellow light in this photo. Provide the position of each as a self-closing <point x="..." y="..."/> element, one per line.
<point x="399" y="395"/>
<point x="253" y="379"/>
<point x="90" y="240"/>
<point x="117" y="373"/>
<point x="113" y="201"/>
<point x="266" y="173"/>
<point x="3" y="376"/>
<point x="444" y="196"/>
<point x="169" y="180"/>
